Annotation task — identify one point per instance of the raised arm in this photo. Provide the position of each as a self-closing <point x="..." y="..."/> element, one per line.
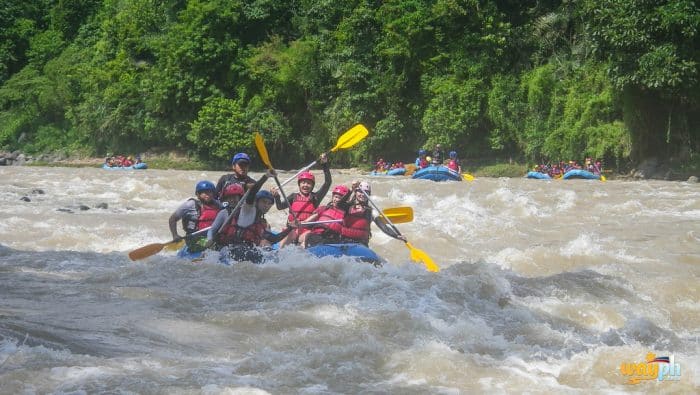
<point x="327" y="180"/>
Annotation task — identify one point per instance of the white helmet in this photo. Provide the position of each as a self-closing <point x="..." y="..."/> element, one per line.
<point x="364" y="185"/>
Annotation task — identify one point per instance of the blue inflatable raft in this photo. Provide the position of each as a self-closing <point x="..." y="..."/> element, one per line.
<point x="393" y="172"/>
<point x="354" y="250"/>
<point x="580" y="174"/>
<point x="437" y="173"/>
<point x="185" y="253"/>
<point x="138" y="166"/>
<point x="538" y="176"/>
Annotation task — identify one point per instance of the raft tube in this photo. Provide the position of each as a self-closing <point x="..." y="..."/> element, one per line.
<point x="138" y="166"/>
<point x="354" y="250"/>
<point x="437" y="173"/>
<point x="580" y="174"/>
<point x="538" y="176"/>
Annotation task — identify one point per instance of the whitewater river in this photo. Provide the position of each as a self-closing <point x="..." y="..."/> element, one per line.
<point x="546" y="286"/>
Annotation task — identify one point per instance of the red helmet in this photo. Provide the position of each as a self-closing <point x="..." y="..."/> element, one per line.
<point x="306" y="175"/>
<point x="232" y="190"/>
<point x="341" y="190"/>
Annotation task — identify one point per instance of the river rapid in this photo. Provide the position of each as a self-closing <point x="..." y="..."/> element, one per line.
<point x="546" y="286"/>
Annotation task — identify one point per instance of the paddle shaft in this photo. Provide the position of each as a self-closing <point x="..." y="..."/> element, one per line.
<point x="233" y="212"/>
<point x="297" y="174"/>
<point x="416" y="254"/>
<point x="348" y="139"/>
<point x="388" y="221"/>
<point x="262" y="150"/>
<point x="285" y="198"/>
<point x="330" y="221"/>
<point x="152" y="249"/>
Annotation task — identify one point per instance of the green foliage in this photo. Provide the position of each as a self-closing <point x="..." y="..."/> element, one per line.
<point x="557" y="80"/>
<point x="454" y="111"/>
<point x="500" y="170"/>
<point x="651" y="44"/>
<point x="220" y="129"/>
<point x="505" y="113"/>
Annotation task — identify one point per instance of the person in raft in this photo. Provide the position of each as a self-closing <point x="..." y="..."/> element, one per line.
<point x="358" y="217"/>
<point x="247" y="227"/>
<point x="240" y="163"/>
<point x="422" y="161"/>
<point x="304" y="202"/>
<point x="453" y="163"/>
<point x="327" y="233"/>
<point x="196" y="213"/>
<point x="437" y="155"/>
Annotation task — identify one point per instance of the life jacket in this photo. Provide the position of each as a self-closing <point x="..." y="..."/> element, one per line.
<point x="423" y="163"/>
<point x="356" y="224"/>
<point x="302" y="206"/>
<point x="329" y="213"/>
<point x="453" y="165"/>
<point x="206" y="213"/>
<point x="231" y="233"/>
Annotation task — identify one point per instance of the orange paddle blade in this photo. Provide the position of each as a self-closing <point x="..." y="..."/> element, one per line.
<point x="146" y="251"/>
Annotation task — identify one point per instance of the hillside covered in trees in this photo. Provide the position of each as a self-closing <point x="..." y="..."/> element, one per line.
<point x="538" y="80"/>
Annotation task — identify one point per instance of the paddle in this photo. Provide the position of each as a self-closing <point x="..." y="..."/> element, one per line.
<point x="416" y="254"/>
<point x="174" y="246"/>
<point x="152" y="249"/>
<point x="398" y="215"/>
<point x="348" y="139"/>
<point x="233" y="212"/>
<point x="467" y="177"/>
<point x="262" y="151"/>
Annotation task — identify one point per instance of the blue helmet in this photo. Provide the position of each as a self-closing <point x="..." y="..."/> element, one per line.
<point x="204" y="186"/>
<point x="241" y="156"/>
<point x="264" y="195"/>
<point x="422" y="152"/>
<point x="453" y="154"/>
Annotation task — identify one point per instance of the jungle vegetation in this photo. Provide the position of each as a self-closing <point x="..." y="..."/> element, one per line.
<point x="530" y="79"/>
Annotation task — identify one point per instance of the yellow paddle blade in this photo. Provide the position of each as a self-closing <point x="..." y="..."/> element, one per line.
<point x="602" y="178"/>
<point x="174" y="246"/>
<point x="467" y="177"/>
<point x="353" y="136"/>
<point x="262" y="150"/>
<point x="146" y="251"/>
<point x="399" y="215"/>
<point x="420" y="256"/>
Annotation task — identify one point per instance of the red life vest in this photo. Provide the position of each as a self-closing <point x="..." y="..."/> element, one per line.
<point x="423" y="163"/>
<point x="329" y="213"/>
<point x="302" y="206"/>
<point x="453" y="165"/>
<point x="233" y="234"/>
<point x="206" y="213"/>
<point x="356" y="224"/>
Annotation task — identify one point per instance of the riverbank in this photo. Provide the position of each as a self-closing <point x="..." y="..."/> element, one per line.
<point x="173" y="160"/>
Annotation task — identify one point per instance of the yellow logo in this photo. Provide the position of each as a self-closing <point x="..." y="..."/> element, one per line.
<point x="655" y="368"/>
